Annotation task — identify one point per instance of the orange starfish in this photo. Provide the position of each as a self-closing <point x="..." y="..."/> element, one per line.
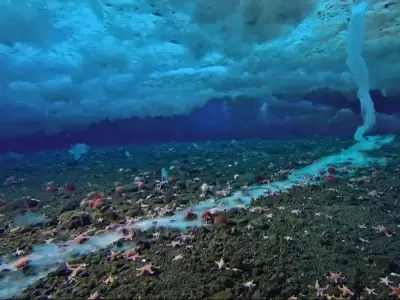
<point x="146" y="269"/>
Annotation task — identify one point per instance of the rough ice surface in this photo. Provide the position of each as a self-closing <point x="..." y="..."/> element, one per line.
<point x="66" y="64"/>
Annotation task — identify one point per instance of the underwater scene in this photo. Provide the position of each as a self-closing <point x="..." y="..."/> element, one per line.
<point x="202" y="149"/>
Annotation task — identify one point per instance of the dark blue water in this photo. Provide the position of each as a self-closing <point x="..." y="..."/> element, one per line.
<point x="218" y="120"/>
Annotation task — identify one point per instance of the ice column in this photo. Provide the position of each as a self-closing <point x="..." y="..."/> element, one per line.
<point x="358" y="67"/>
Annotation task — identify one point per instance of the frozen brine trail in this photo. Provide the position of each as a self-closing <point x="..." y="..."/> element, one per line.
<point x="46" y="257"/>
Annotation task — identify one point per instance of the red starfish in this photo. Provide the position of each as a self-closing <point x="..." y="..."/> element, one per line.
<point x="395" y="291"/>
<point x="335" y="277"/>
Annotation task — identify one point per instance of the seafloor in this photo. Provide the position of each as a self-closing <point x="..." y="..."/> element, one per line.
<point x="292" y="245"/>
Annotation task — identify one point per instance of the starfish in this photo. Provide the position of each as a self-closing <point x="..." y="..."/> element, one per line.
<point x="320" y="290"/>
<point x="385" y="281"/>
<point x="80" y="239"/>
<point x="175" y="244"/>
<point x="146" y="269"/>
<point x="21" y="263"/>
<point x="94" y="296"/>
<point x="221" y="264"/>
<point x="336" y="277"/>
<point x="346" y="291"/>
<point x="249" y="284"/>
<point x="75" y="270"/>
<point x="370" y="291"/>
<point x="133" y="257"/>
<point x="382" y="230"/>
<point x="185" y="237"/>
<point x="18" y="252"/>
<point x="395" y="291"/>
<point x="178" y="257"/>
<point x="110" y="279"/>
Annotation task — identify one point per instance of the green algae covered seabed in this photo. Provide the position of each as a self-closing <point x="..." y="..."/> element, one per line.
<point x="337" y="239"/>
